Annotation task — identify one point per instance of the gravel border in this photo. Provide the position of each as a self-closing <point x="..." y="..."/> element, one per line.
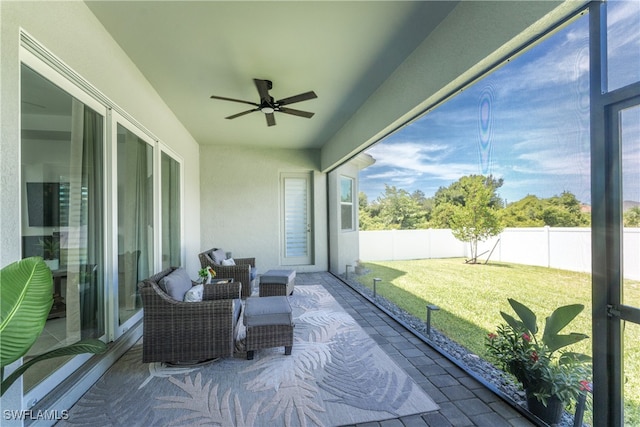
<point x="470" y="362"/>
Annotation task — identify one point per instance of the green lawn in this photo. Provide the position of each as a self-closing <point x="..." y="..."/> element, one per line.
<point x="470" y="298"/>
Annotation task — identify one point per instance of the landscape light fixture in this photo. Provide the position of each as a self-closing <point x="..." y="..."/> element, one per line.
<point x="430" y="308"/>
<point x="375" y="282"/>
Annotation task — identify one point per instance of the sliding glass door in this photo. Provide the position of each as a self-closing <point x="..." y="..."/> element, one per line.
<point x="135" y="217"/>
<point x="170" y="193"/>
<point x="62" y="206"/>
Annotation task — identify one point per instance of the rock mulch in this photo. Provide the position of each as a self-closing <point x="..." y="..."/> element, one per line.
<point x="467" y="360"/>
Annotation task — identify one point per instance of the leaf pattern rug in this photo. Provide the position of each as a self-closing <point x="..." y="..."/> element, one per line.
<point x="335" y="375"/>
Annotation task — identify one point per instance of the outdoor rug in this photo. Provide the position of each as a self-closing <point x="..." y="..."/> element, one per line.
<point x="335" y="375"/>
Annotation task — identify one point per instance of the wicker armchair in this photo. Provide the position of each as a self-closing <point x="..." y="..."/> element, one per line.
<point x="243" y="271"/>
<point x="176" y="331"/>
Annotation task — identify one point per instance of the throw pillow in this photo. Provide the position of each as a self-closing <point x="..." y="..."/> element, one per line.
<point x="194" y="294"/>
<point x="228" y="261"/>
<point x="240" y="332"/>
<point x="218" y="255"/>
<point x="176" y="284"/>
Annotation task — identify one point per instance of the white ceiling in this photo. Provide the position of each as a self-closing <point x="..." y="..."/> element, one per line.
<point x="341" y="50"/>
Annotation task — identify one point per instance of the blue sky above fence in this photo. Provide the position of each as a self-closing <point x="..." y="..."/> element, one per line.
<point x="527" y="122"/>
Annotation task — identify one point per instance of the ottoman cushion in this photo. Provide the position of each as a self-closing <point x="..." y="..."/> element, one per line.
<point x="262" y="311"/>
<point x="282" y="277"/>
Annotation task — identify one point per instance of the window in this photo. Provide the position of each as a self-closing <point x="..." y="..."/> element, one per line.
<point x="347" y="219"/>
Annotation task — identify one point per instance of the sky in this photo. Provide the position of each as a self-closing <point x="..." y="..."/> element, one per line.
<point x="527" y="122"/>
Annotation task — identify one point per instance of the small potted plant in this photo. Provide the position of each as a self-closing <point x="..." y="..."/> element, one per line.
<point x="51" y="252"/>
<point x="552" y="379"/>
<point x="206" y="274"/>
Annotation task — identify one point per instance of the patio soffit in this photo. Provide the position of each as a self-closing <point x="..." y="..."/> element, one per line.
<point x="343" y="51"/>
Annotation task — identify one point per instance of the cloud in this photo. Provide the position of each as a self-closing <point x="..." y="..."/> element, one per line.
<point x="537" y="133"/>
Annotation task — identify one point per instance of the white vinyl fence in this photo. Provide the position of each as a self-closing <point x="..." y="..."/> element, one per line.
<point x="563" y="248"/>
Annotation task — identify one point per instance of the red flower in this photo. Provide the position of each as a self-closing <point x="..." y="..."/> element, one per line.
<point x="534" y="356"/>
<point x="492" y="336"/>
<point x="585" y="385"/>
<point x="526" y="337"/>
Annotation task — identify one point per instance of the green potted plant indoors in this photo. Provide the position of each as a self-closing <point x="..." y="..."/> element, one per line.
<point x="51" y="252"/>
<point x="551" y="378"/>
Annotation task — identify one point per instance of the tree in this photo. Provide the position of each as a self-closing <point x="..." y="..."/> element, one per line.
<point x="557" y="211"/>
<point x="631" y="217"/>
<point x="369" y="214"/>
<point x="526" y="212"/>
<point x="398" y="210"/>
<point x="477" y="218"/>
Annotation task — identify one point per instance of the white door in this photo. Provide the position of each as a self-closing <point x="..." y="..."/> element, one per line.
<point x="296" y="219"/>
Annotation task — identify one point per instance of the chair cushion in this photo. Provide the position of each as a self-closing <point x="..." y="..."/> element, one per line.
<point x="262" y="311"/>
<point x="176" y="284"/>
<point x="194" y="294"/>
<point x="228" y="261"/>
<point x="218" y="255"/>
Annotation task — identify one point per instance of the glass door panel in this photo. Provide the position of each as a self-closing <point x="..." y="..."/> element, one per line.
<point x="631" y="368"/>
<point x="296" y="221"/>
<point x="135" y="219"/>
<point x="630" y="142"/>
<point x="62" y="148"/>
<point x="629" y="133"/>
<point x="171" y="211"/>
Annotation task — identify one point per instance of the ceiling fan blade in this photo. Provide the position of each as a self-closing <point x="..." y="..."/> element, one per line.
<point x="263" y="87"/>
<point x="242" y="114"/>
<point x="306" y="114"/>
<point x="234" y="100"/>
<point x="271" y="120"/>
<point x="297" y="98"/>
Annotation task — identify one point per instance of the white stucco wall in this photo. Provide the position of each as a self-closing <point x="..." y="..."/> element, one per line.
<point x="344" y="244"/>
<point x="241" y="202"/>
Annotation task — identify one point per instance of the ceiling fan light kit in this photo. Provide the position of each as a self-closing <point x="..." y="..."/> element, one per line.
<point x="267" y="104"/>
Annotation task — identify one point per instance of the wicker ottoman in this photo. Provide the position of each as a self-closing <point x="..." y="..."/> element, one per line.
<point x="277" y="282"/>
<point x="269" y="324"/>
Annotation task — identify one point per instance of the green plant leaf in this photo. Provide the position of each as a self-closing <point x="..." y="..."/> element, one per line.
<point x="511" y="321"/>
<point x="85" y="346"/>
<point x="569" y="357"/>
<point x="527" y="316"/>
<point x="27" y="297"/>
<point x="560" y="318"/>
<point x="555" y="342"/>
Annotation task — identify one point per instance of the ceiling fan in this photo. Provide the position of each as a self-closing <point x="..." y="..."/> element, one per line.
<point x="269" y="106"/>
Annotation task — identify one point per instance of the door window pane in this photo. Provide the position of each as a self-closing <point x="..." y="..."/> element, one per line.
<point x="135" y="219"/>
<point x="62" y="200"/>
<point x="630" y="142"/>
<point x="295" y="196"/>
<point x="630" y="147"/>
<point x="170" y="190"/>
